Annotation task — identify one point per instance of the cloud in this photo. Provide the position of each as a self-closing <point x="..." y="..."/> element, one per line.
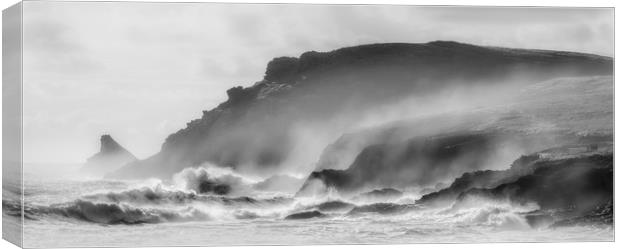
<point x="49" y="46"/>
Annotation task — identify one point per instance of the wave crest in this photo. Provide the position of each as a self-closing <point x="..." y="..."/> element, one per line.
<point x="212" y="180"/>
<point x="111" y="213"/>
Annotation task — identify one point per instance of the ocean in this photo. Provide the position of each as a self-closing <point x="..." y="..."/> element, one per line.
<point x="73" y="212"/>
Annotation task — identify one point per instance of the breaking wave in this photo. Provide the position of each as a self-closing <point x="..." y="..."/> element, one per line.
<point x="484" y="212"/>
<point x="159" y="205"/>
<point x="213" y="180"/>
<point x="194" y="195"/>
<point x="109" y="213"/>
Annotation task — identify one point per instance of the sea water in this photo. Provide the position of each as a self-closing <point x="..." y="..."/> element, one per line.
<point x="63" y="212"/>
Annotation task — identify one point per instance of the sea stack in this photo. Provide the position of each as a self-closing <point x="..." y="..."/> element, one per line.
<point x="110" y="157"/>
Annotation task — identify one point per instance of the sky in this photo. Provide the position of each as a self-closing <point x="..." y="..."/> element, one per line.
<point x="141" y="71"/>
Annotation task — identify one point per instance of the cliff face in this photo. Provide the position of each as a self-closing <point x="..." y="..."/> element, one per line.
<point x="256" y="129"/>
<point x="595" y="155"/>
<point x="568" y="186"/>
<point x="110" y="157"/>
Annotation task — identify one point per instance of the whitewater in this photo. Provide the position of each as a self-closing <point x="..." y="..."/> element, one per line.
<point x="73" y="212"/>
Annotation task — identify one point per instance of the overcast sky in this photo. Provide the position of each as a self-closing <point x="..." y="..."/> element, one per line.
<point x="140" y="71"/>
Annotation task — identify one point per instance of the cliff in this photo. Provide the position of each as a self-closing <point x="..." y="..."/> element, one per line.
<point x="255" y="129"/>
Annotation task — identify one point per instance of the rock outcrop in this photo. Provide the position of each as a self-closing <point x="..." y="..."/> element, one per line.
<point x="111" y="156"/>
<point x="570" y="184"/>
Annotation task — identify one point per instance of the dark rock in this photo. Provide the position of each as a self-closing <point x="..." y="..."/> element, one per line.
<point x="579" y="188"/>
<point x="523" y="166"/>
<point x="210" y="187"/>
<point x="238" y="96"/>
<point x="469" y="180"/>
<point x="282" y="69"/>
<point x="305" y="215"/>
<point x="578" y="184"/>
